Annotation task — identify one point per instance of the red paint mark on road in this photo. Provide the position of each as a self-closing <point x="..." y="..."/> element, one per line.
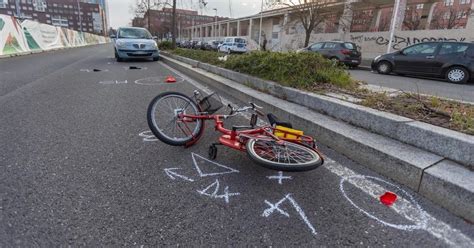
<point x="170" y="79"/>
<point x="388" y="199"/>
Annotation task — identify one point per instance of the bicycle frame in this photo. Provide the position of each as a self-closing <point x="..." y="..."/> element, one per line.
<point x="234" y="138"/>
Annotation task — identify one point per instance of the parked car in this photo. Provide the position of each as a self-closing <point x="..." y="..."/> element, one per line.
<point x="199" y="45"/>
<point x="337" y="51"/>
<point x="135" y="43"/>
<point x="212" y="45"/>
<point x="233" y="45"/>
<point x="453" y="61"/>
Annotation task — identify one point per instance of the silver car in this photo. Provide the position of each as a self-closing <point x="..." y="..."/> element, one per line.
<point x="135" y="43"/>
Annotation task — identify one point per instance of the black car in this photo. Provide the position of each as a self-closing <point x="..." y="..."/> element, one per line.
<point x="338" y="51"/>
<point x="453" y="61"/>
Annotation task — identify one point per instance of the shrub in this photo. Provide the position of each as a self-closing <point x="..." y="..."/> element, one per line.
<point x="210" y="57"/>
<point x="299" y="70"/>
<point x="165" y="45"/>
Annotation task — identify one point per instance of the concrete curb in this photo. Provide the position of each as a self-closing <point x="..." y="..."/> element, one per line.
<point x="450" y="144"/>
<point x="420" y="170"/>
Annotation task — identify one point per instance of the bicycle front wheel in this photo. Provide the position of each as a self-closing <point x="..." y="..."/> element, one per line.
<point x="283" y="155"/>
<point x="165" y="122"/>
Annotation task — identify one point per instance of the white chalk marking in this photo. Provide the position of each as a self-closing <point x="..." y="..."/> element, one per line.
<point x="156" y="81"/>
<point x="214" y="194"/>
<point x="435" y="227"/>
<point x="280" y="177"/>
<point x="403" y="207"/>
<point x="113" y="82"/>
<point x="148" y="136"/>
<point x="201" y="174"/>
<point x="85" y="70"/>
<point x="171" y="174"/>
<point x="421" y="219"/>
<point x="275" y="207"/>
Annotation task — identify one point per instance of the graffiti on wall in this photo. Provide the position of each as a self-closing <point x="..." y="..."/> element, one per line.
<point x="399" y="42"/>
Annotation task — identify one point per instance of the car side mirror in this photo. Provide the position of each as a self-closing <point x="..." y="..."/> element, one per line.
<point x="155" y="37"/>
<point x="113" y="36"/>
<point x="401" y="53"/>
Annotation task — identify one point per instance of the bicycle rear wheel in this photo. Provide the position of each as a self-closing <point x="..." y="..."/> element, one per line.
<point x="283" y="156"/>
<point x="165" y="123"/>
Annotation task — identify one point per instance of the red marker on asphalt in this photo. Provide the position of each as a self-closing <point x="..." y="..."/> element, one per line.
<point x="388" y="199"/>
<point x="170" y="79"/>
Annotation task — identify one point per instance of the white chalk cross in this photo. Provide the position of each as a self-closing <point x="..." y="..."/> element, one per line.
<point x="280" y="177"/>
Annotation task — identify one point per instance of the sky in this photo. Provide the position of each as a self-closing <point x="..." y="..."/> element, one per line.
<point x="120" y="14"/>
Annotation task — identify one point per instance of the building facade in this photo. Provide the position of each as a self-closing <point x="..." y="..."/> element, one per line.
<point x="364" y="22"/>
<point x="160" y="21"/>
<point x="74" y="14"/>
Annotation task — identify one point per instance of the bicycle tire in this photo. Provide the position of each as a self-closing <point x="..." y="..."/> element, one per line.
<point x="292" y="165"/>
<point x="158" y="130"/>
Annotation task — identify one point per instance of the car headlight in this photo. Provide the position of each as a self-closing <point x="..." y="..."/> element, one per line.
<point x="378" y="57"/>
<point x="120" y="44"/>
<point x="154" y="45"/>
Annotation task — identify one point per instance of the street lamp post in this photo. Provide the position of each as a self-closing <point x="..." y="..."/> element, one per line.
<point x="393" y="26"/>
<point x="80" y="16"/>
<point x="215" y="25"/>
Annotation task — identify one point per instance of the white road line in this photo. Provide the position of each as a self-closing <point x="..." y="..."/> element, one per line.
<point x="403" y="207"/>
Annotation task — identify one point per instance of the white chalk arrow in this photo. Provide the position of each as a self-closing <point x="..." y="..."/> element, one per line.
<point x="171" y="174"/>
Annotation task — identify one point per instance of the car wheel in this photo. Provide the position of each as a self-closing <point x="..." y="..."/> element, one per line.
<point x="156" y="58"/>
<point x="384" y="67"/>
<point x="118" y="59"/>
<point x="457" y="75"/>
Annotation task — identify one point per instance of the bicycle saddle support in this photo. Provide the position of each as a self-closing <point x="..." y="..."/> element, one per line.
<point x="275" y="121"/>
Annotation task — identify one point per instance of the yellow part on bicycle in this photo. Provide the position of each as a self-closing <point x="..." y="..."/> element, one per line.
<point x="287" y="133"/>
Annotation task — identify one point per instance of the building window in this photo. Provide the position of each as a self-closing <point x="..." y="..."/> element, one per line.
<point x="58" y="20"/>
<point x="464" y="1"/>
<point x="3" y="3"/>
<point x="40" y="5"/>
<point x="448" y="2"/>
<point x="420" y="6"/>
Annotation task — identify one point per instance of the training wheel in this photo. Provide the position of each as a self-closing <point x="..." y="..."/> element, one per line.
<point x="212" y="152"/>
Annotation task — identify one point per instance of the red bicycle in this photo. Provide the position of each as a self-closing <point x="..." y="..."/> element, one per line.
<point x="178" y="120"/>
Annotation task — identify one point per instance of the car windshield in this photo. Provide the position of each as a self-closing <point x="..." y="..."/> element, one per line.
<point x="133" y="33"/>
<point x="239" y="40"/>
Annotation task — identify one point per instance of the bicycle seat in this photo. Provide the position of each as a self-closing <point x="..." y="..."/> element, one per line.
<point x="274" y="121"/>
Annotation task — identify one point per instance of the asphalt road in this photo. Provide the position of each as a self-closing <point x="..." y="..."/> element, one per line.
<point x="429" y="86"/>
<point x="78" y="167"/>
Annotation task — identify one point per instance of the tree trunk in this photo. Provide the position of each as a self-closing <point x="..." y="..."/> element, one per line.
<point x="307" y="37"/>
<point x="173" y="26"/>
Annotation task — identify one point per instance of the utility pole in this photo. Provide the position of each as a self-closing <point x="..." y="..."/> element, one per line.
<point x="173" y="26"/>
<point x="260" y="30"/>
<point x="148" y="16"/>
<point x="17" y="6"/>
<point x="394" y="25"/>
<point x="80" y="16"/>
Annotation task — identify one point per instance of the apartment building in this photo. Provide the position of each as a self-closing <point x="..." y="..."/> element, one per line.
<point x="87" y="15"/>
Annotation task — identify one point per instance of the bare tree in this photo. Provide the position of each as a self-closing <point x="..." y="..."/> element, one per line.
<point x="449" y="18"/>
<point x="412" y="20"/>
<point x="310" y="13"/>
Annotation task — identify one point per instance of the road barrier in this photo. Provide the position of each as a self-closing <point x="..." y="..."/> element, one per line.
<point x="19" y="37"/>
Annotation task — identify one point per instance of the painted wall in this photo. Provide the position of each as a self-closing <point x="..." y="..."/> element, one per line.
<point x="17" y="37"/>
